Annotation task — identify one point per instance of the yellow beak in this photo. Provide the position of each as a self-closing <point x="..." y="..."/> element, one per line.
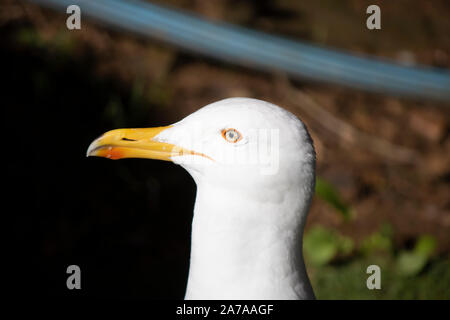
<point x="135" y="143"/>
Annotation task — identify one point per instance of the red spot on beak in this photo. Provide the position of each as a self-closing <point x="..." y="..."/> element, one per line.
<point x="111" y="153"/>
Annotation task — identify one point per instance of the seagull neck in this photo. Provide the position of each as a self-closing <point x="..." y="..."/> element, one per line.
<point x="247" y="246"/>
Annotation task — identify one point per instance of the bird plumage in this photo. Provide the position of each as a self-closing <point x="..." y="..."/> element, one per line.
<point x="253" y="196"/>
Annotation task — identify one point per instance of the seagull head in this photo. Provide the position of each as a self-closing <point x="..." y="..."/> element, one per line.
<point x="236" y="142"/>
<point x="254" y="166"/>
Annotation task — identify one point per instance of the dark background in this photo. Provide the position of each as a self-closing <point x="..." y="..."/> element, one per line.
<point x="127" y="223"/>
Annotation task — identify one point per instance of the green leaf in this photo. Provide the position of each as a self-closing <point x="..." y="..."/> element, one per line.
<point x="345" y="244"/>
<point x="410" y="263"/>
<point x="29" y="37"/>
<point x="329" y="194"/>
<point x="380" y="241"/>
<point x="425" y="245"/>
<point x="320" y="246"/>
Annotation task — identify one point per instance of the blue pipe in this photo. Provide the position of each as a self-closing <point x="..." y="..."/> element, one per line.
<point x="261" y="50"/>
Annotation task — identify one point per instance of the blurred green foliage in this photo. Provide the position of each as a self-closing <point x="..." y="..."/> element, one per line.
<point x="29" y="37"/>
<point x="327" y="192"/>
<point x="405" y="274"/>
<point x="160" y="93"/>
<point x="379" y="241"/>
<point x="61" y="41"/>
<point x="321" y="245"/>
<point x="324" y="247"/>
<point x="411" y="262"/>
<point x="348" y="281"/>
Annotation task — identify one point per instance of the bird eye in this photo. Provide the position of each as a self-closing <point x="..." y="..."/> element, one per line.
<point x="231" y="135"/>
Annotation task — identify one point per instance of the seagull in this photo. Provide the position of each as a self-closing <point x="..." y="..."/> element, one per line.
<point x="254" y="166"/>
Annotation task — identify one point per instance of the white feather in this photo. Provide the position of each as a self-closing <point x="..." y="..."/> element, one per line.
<point x="248" y="222"/>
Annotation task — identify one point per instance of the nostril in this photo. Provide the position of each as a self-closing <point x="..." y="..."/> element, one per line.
<point x="126" y="139"/>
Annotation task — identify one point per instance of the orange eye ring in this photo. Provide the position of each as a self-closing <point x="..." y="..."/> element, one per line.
<point x="231" y="135"/>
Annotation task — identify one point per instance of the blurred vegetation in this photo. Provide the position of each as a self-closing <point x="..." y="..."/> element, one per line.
<point x="327" y="192"/>
<point x="337" y="266"/>
<point x="322" y="245"/>
<point x="348" y="280"/>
